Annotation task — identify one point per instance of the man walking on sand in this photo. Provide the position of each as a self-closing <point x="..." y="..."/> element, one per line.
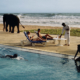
<point x="66" y="28"/>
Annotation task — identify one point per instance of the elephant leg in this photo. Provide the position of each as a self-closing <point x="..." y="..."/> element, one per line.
<point x="9" y="28"/>
<point x="18" y="29"/>
<point x="12" y="29"/>
<point x="6" y="27"/>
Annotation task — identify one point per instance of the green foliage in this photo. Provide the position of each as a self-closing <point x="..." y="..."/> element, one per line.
<point x="73" y="32"/>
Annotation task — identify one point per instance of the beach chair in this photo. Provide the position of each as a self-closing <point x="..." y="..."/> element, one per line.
<point x="25" y="42"/>
<point x="34" y="42"/>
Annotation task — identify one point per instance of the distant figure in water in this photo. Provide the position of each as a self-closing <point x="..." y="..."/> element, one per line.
<point x="13" y="56"/>
<point x="10" y="56"/>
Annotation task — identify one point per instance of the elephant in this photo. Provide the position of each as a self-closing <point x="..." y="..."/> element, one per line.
<point x="12" y="21"/>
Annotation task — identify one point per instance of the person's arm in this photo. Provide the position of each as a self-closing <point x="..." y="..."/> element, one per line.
<point x="10" y="56"/>
<point x="62" y="32"/>
<point x="60" y="36"/>
<point x="30" y="37"/>
<point x="40" y="35"/>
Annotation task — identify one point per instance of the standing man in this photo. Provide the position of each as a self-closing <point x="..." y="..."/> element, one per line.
<point x="66" y="28"/>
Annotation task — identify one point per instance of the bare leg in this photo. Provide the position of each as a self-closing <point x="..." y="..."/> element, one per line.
<point x="38" y="39"/>
<point x="65" y="42"/>
<point x="48" y="36"/>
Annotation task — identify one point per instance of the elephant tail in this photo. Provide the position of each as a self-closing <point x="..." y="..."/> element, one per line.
<point x="22" y="25"/>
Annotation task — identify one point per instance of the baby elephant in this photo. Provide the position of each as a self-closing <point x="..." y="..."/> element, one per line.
<point x="12" y="21"/>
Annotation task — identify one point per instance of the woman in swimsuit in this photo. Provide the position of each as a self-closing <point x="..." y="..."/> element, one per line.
<point x="34" y="39"/>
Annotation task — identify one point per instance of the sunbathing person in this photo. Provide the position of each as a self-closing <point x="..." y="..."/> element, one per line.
<point x="47" y="36"/>
<point x="34" y="39"/>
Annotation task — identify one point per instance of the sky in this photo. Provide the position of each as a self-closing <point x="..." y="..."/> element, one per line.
<point x="39" y="6"/>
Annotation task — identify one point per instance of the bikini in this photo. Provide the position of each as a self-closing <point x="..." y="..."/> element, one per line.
<point x="31" y="39"/>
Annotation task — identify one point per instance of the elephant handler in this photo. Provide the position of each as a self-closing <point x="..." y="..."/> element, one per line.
<point x="66" y="28"/>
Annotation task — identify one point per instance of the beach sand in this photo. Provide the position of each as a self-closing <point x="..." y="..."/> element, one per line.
<point x="14" y="39"/>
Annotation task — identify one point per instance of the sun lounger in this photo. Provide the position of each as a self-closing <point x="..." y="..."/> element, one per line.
<point x="34" y="42"/>
<point x="25" y="42"/>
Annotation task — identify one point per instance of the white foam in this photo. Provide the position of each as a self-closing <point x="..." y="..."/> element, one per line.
<point x="19" y="58"/>
<point x="55" y="20"/>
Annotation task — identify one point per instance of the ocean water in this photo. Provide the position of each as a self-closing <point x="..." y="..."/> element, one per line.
<point x="48" y="19"/>
<point x="35" y="66"/>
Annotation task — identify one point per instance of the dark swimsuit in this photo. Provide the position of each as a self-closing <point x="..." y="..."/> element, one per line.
<point x="31" y="39"/>
<point x="42" y="36"/>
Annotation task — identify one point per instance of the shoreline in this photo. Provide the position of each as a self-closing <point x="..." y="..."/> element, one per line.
<point x="30" y="27"/>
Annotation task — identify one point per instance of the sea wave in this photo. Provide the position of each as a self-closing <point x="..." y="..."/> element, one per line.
<point x="48" y="19"/>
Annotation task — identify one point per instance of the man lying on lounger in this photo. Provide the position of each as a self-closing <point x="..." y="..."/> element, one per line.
<point x="47" y="36"/>
<point x="34" y="39"/>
